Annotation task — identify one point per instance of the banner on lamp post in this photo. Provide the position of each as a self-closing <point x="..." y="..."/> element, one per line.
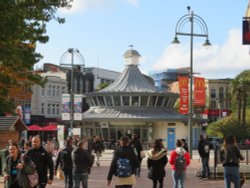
<point x="66" y="107"/>
<point x="78" y="107"/>
<point x="60" y="135"/>
<point x="184" y="94"/>
<point x="199" y="91"/>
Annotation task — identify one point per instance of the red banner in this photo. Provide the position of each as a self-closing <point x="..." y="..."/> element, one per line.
<point x="199" y="91"/>
<point x="183" y="86"/>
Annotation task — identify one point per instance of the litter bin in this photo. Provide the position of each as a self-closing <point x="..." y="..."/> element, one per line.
<point x="3" y="154"/>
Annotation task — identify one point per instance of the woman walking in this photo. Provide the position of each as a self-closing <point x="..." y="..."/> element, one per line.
<point x="157" y="160"/>
<point x="17" y="168"/>
<point x="230" y="156"/>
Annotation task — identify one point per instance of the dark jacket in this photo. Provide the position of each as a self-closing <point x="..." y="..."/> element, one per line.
<point x="156" y="164"/>
<point x="201" y="148"/>
<point x="21" y="178"/>
<point x="64" y="159"/>
<point x="82" y="160"/>
<point x="98" y="146"/>
<point x="136" y="145"/>
<point x="230" y="156"/>
<point x="43" y="162"/>
<point x="123" y="152"/>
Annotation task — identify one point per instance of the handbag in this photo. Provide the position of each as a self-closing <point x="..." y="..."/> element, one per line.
<point x="150" y="173"/>
<point x="33" y="179"/>
<point x="59" y="174"/>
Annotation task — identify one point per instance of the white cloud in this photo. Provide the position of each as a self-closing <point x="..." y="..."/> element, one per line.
<point x="225" y="61"/>
<point x="79" y="6"/>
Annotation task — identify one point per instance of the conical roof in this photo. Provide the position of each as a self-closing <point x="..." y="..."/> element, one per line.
<point x="131" y="80"/>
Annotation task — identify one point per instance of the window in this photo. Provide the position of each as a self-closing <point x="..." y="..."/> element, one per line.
<point x="144" y="100"/>
<point x="42" y="109"/>
<point x="166" y="102"/>
<point x="221" y="94"/>
<point x="101" y="100"/>
<point x="159" y="101"/>
<point x="57" y="109"/>
<point x="95" y="101"/>
<point x="213" y="104"/>
<point x="213" y="93"/>
<point x="49" y="91"/>
<point x="135" y="100"/>
<point x="125" y="100"/>
<point x="54" y="91"/>
<point x="43" y="92"/>
<point x="117" y="100"/>
<point x="109" y="101"/>
<point x="58" y="91"/>
<point x="152" y="101"/>
<point x="49" y="109"/>
<point x="53" y="109"/>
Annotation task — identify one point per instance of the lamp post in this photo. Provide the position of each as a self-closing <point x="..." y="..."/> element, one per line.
<point x="69" y="61"/>
<point x="191" y="18"/>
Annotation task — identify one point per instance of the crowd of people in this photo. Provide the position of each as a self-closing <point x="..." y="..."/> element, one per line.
<point x="76" y="158"/>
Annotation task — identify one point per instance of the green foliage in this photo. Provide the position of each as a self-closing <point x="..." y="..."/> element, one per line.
<point x="102" y="86"/>
<point x="230" y="125"/>
<point x="23" y="24"/>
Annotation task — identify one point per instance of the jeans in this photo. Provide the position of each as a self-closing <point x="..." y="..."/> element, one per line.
<point x="160" y="183"/>
<point x="178" y="179"/>
<point x="232" y="174"/>
<point x="81" y="177"/>
<point x="205" y="167"/>
<point x="123" y="186"/>
<point x="68" y="179"/>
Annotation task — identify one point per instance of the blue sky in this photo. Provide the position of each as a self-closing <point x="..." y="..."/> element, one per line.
<point x="103" y="29"/>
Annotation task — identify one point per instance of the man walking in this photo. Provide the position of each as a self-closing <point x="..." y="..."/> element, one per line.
<point x="82" y="162"/>
<point x="204" y="151"/>
<point x="42" y="161"/>
<point x="64" y="159"/>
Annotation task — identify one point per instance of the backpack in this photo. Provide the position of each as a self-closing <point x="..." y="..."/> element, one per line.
<point x="123" y="167"/>
<point x="180" y="163"/>
<point x="66" y="159"/>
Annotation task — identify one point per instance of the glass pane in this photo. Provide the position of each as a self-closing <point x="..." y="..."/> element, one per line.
<point x="109" y="101"/>
<point x="101" y="100"/>
<point x="135" y="100"/>
<point x="166" y="101"/>
<point x="152" y="100"/>
<point x="95" y="100"/>
<point x="125" y="100"/>
<point x="159" y="102"/>
<point x="144" y="100"/>
<point x="117" y="100"/>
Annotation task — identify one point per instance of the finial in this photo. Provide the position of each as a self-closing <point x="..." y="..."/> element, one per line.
<point x="131" y="46"/>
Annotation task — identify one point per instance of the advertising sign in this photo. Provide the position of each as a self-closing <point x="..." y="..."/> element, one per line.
<point x="65" y="106"/>
<point x="78" y="107"/>
<point x="183" y="86"/>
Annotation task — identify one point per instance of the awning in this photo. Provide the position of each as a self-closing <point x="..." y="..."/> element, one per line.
<point x="52" y="127"/>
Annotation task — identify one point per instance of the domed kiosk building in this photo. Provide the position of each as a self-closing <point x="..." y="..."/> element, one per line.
<point x="132" y="105"/>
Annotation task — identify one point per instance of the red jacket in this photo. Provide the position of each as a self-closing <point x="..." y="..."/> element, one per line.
<point x="174" y="154"/>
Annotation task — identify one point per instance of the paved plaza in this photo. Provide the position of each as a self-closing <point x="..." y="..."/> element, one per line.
<point x="98" y="177"/>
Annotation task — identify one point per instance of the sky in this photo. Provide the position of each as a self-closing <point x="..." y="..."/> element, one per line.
<point x="102" y="31"/>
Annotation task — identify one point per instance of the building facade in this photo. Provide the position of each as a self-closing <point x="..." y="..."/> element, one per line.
<point x="132" y="105"/>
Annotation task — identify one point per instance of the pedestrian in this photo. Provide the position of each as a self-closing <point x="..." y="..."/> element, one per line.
<point x="43" y="162"/>
<point x="123" y="165"/>
<point x="64" y="159"/>
<point x="50" y="147"/>
<point x="82" y="163"/>
<point x="15" y="172"/>
<point x="204" y="147"/>
<point x="230" y="156"/>
<point x="98" y="148"/>
<point x="179" y="160"/>
<point x="157" y="160"/>
<point x="184" y="144"/>
<point x="137" y="147"/>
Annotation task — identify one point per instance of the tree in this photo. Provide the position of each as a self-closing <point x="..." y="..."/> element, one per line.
<point x="23" y="24"/>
